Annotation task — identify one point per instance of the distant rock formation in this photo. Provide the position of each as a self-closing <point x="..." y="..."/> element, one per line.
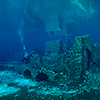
<point x="83" y="55"/>
<point x="73" y="64"/>
<point x="75" y="75"/>
<point x="53" y="51"/>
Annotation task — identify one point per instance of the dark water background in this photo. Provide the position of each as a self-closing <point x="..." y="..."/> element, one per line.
<point x="35" y="39"/>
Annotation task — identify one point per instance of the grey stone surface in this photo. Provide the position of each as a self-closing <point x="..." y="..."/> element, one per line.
<point x="53" y="50"/>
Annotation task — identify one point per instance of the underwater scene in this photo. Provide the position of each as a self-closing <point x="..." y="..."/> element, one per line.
<point x="49" y="49"/>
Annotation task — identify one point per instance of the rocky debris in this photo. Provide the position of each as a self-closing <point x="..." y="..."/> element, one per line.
<point x="71" y="65"/>
<point x="34" y="59"/>
<point x="84" y="55"/>
<point x="15" y="86"/>
<point x="53" y="51"/>
<point x="80" y="57"/>
<point x="76" y="73"/>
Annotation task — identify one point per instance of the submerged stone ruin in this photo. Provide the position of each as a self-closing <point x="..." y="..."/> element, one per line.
<point x="75" y="73"/>
<point x="83" y="55"/>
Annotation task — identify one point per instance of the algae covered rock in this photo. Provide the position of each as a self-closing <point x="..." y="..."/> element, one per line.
<point x="53" y="50"/>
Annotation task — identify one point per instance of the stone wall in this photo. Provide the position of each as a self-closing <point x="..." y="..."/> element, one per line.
<point x="83" y="55"/>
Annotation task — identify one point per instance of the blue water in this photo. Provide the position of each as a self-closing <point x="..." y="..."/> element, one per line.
<point x="35" y="38"/>
<point x="25" y="26"/>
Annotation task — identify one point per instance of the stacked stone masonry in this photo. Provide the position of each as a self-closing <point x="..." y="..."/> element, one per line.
<point x="82" y="56"/>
